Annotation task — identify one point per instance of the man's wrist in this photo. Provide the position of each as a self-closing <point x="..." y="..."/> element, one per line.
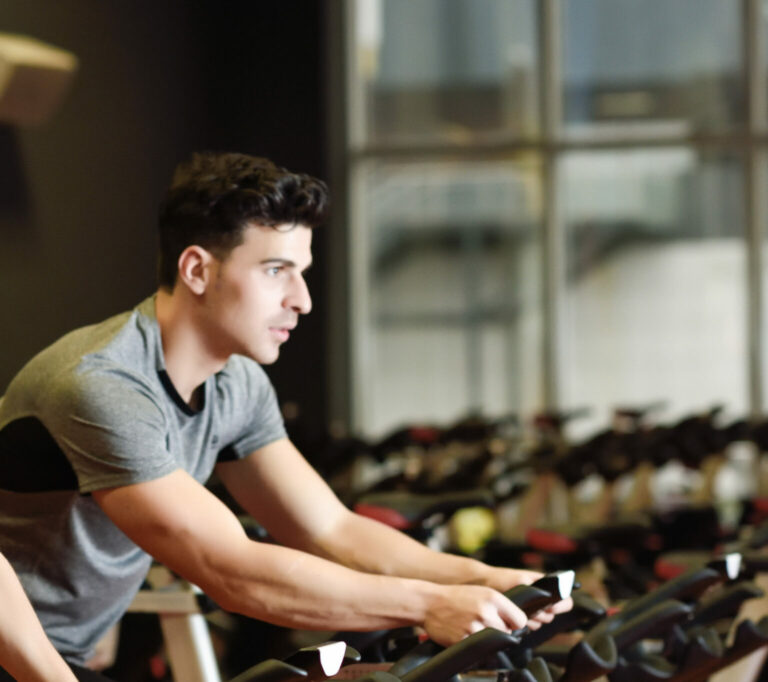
<point x="411" y="600"/>
<point x="503" y="579"/>
<point x="478" y="573"/>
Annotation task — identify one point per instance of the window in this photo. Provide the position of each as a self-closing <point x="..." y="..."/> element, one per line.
<point x="654" y="295"/>
<point x="553" y="204"/>
<point x="445" y="70"/>
<point x="453" y="275"/>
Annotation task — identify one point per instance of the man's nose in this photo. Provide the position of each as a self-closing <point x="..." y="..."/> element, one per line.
<point x="298" y="298"/>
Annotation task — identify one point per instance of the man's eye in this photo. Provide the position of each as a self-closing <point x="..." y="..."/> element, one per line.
<point x="274" y="271"/>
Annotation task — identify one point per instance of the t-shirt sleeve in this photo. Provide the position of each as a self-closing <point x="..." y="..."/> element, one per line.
<point x="253" y="398"/>
<point x="111" y="428"/>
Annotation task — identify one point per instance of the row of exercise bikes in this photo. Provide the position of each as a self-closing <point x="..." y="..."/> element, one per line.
<point x="666" y="564"/>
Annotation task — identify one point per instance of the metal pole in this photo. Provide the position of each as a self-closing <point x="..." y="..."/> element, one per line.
<point x="756" y="185"/>
<point x="552" y="265"/>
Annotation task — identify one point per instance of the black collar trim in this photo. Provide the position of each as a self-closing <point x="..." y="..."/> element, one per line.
<point x="165" y="380"/>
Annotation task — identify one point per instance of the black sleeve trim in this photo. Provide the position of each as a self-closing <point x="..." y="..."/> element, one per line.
<point x="31" y="460"/>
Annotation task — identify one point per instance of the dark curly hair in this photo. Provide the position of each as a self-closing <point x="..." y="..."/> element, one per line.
<point x="213" y="197"/>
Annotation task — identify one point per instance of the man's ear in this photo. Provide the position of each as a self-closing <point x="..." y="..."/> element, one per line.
<point x="195" y="268"/>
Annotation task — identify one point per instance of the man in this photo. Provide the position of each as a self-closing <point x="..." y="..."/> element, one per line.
<point x="107" y="437"/>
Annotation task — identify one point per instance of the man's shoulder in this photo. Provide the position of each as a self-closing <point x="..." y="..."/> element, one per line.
<point x="120" y="347"/>
<point x="116" y="336"/>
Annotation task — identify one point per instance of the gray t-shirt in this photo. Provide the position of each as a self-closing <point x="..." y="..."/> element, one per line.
<point x="97" y="410"/>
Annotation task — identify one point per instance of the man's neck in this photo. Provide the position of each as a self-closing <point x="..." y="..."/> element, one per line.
<point x="187" y="360"/>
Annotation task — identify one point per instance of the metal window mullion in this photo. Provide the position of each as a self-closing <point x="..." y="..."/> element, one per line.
<point x="360" y="304"/>
<point x="352" y="334"/>
<point x="358" y="277"/>
<point x="756" y="182"/>
<point x="552" y="252"/>
<point x="355" y="98"/>
<point x="340" y="332"/>
<point x="726" y="140"/>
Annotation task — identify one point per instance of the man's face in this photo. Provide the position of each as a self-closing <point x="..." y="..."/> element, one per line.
<point x="258" y="291"/>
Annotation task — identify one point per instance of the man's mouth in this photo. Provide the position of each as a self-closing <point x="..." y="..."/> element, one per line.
<point x="282" y="333"/>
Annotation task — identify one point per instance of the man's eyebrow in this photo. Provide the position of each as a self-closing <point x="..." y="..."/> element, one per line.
<point x="283" y="261"/>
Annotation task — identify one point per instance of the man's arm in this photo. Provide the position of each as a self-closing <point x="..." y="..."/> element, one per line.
<point x="188" y="529"/>
<point x="283" y="492"/>
<point x="25" y="651"/>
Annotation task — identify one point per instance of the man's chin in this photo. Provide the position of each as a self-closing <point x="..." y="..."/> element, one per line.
<point x="265" y="358"/>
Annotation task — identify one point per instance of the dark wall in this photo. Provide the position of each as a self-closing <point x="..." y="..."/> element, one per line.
<point x="157" y="80"/>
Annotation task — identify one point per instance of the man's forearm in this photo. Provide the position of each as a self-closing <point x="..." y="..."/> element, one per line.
<point x="373" y="547"/>
<point x="296" y="589"/>
<point x="25" y="651"/>
<point x="370" y="546"/>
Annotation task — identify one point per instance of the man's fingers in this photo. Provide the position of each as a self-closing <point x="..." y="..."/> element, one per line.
<point x="561" y="607"/>
<point x="525" y="577"/>
<point x="476" y="626"/>
<point x="543" y="616"/>
<point x="512" y="615"/>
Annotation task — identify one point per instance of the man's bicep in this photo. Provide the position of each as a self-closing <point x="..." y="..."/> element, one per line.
<point x="279" y="488"/>
<point x="177" y="521"/>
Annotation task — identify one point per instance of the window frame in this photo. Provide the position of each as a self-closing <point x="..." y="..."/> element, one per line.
<point x="349" y="340"/>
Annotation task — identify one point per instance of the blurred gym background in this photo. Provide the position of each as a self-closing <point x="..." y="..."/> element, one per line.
<point x="537" y="203"/>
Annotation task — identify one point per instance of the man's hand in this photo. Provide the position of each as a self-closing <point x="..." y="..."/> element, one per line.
<point x="457" y="611"/>
<point x="503" y="579"/>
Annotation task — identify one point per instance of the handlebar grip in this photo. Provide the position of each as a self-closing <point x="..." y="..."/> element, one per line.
<point x="585" y="613"/>
<point x="546" y="591"/>
<point x="759" y="537"/>
<point x="590" y="660"/>
<point x="272" y="670"/>
<point x="755" y="562"/>
<point x="726" y="604"/>
<point x="651" y="623"/>
<point x="535" y="671"/>
<point x="559" y="584"/>
<point x="323" y="660"/>
<point x="728" y="565"/>
<point x="460" y="656"/>
<point x="687" y="586"/>
<point x="529" y="599"/>
<point x="378" y="676"/>
<point x="417" y="656"/>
